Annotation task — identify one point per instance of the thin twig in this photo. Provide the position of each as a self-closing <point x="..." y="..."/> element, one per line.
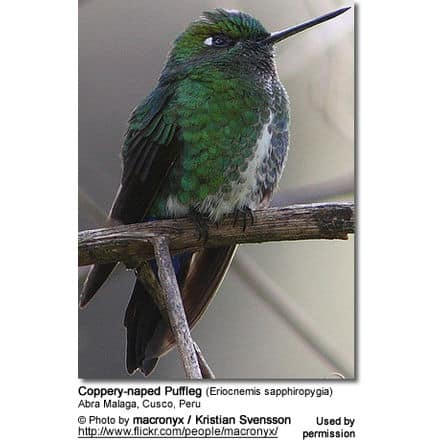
<point x="176" y="312"/>
<point x="306" y="193"/>
<point x="290" y="312"/>
<point x="146" y="276"/>
<point x="207" y="373"/>
<point x="301" y="222"/>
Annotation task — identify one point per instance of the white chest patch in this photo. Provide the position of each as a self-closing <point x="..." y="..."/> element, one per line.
<point x="175" y="208"/>
<point x="244" y="193"/>
<point x="252" y="172"/>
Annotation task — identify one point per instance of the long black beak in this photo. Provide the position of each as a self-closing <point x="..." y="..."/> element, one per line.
<point x="281" y="35"/>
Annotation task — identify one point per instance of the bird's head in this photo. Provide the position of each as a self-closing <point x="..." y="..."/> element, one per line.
<point x="221" y="37"/>
<point x="228" y="38"/>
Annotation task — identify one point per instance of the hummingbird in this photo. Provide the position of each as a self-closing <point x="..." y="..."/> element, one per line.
<point x="211" y="139"/>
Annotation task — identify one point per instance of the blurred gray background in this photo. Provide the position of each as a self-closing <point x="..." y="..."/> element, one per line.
<point x="122" y="47"/>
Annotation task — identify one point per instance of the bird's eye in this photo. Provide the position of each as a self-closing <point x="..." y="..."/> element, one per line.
<point x="218" y="41"/>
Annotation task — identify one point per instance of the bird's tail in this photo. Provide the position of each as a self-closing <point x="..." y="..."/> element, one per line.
<point x="148" y="334"/>
<point x="95" y="279"/>
<point x="141" y="319"/>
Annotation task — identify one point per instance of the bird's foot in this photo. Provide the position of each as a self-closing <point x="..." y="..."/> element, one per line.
<point x="242" y="214"/>
<point x="201" y="223"/>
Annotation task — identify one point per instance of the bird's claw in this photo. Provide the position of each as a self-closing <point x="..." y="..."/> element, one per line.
<point x="201" y="224"/>
<point x="244" y="213"/>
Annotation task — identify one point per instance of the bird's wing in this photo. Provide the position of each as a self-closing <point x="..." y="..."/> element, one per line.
<point x="151" y="147"/>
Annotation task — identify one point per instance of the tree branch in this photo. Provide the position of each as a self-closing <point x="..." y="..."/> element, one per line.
<point x="174" y="306"/>
<point x="146" y="276"/>
<point x="207" y="373"/>
<point x="134" y="244"/>
<point x="301" y="222"/>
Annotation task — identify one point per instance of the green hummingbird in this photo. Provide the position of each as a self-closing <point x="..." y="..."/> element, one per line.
<point x="211" y="139"/>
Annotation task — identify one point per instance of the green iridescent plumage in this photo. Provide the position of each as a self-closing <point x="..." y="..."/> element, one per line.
<point x="219" y="126"/>
<point x="234" y="24"/>
<point x="201" y="141"/>
<point x="211" y="139"/>
<point x="214" y="103"/>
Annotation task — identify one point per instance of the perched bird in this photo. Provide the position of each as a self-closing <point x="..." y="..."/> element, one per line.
<point x="211" y="139"/>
